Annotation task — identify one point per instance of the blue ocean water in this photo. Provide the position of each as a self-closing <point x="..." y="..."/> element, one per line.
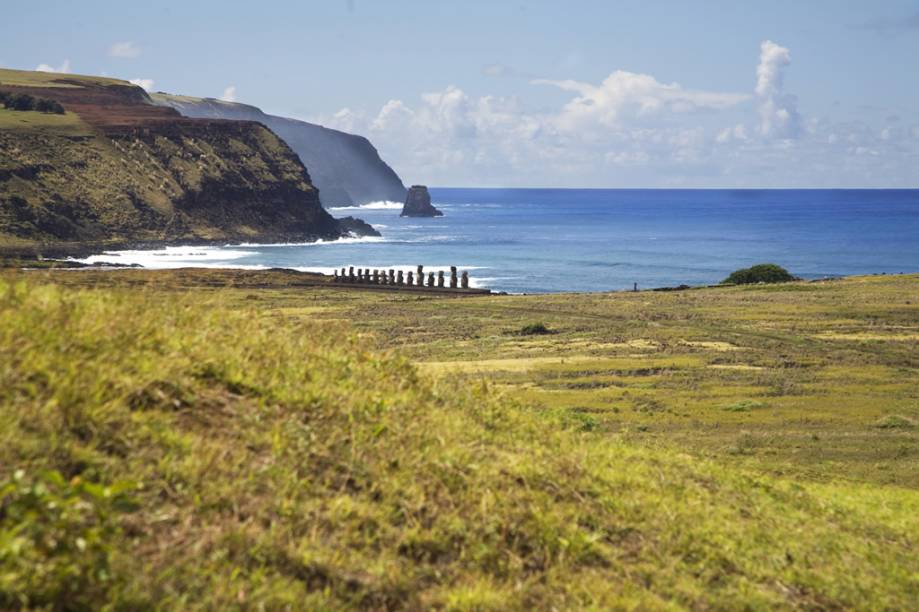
<point x="548" y="240"/>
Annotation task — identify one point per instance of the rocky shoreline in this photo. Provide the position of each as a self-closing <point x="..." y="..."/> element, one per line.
<point x="18" y="255"/>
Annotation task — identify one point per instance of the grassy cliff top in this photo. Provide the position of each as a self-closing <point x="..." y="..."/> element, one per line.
<point x="174" y="446"/>
<point x="30" y="78"/>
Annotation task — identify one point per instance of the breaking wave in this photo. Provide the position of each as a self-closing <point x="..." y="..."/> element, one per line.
<point x="347" y="240"/>
<point x="381" y="205"/>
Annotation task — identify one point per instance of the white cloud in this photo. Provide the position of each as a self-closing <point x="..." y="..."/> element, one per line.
<point x="778" y="110"/>
<point x="229" y="94"/>
<point x="146" y="84"/>
<point x="626" y="96"/>
<point x="64" y="68"/>
<point x="738" y="132"/>
<point x="126" y="50"/>
<point x="633" y="130"/>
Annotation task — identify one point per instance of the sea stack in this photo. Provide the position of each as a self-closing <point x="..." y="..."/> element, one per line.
<point x="418" y="203"/>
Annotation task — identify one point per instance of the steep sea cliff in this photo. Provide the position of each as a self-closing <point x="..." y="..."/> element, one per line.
<point x="346" y="168"/>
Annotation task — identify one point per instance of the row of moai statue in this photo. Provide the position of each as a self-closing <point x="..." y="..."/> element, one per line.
<point x="366" y="276"/>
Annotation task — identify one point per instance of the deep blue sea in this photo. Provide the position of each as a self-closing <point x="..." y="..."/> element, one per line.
<point x="547" y="240"/>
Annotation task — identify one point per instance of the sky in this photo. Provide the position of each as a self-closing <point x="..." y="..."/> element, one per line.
<point x="473" y="93"/>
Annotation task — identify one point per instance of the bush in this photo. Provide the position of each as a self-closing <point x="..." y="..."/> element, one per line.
<point x="760" y="273"/>
<point x="534" y="329"/>
<point x="49" y="106"/>
<point x="25" y="102"/>
<point x="19" y="102"/>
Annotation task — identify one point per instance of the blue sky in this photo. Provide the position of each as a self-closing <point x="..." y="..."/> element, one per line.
<point x="593" y="94"/>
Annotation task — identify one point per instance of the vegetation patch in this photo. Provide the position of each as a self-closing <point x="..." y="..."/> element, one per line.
<point x="290" y="464"/>
<point x="744" y="406"/>
<point x="26" y="102"/>
<point x="534" y="329"/>
<point x="56" y="540"/>
<point x="760" y="273"/>
<point x="895" y="421"/>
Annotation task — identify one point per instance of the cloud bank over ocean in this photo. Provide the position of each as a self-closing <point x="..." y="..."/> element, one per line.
<point x="631" y="129"/>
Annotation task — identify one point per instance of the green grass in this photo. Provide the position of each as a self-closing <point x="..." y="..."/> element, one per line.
<point x="68" y="123"/>
<point x="242" y="447"/>
<point x="29" y="78"/>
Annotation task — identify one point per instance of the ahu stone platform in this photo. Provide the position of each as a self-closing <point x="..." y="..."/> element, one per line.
<point x="410" y="281"/>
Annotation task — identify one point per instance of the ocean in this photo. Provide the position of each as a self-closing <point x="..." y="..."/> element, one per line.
<point x="551" y="240"/>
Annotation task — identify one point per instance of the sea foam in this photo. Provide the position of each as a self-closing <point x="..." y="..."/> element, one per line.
<point x="381" y="205"/>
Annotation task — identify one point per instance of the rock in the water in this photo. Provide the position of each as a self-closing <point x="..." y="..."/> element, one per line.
<point x="418" y="203"/>
<point x="357" y="227"/>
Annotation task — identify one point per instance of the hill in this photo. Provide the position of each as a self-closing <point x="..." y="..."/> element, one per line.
<point x="346" y="168"/>
<point x="227" y="439"/>
<point x="117" y="169"/>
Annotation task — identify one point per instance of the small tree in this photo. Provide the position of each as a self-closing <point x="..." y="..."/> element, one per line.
<point x="760" y="273"/>
<point x="20" y="102"/>
<point x="49" y="106"/>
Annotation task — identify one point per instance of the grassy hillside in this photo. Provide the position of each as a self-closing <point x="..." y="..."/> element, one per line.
<point x="30" y="78"/>
<point x="166" y="443"/>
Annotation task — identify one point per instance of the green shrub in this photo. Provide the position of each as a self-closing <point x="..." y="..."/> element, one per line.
<point x="49" y="106"/>
<point x="760" y="273"/>
<point x="25" y="102"/>
<point x="534" y="329"/>
<point x="19" y="102"/>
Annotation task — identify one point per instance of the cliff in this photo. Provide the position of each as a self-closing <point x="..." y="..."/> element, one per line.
<point x="346" y="168"/>
<point x="117" y="169"/>
<point x="418" y="203"/>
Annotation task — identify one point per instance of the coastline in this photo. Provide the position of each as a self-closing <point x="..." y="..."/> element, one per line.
<point x="275" y="277"/>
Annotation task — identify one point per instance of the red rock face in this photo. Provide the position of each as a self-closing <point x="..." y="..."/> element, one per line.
<point x="103" y="106"/>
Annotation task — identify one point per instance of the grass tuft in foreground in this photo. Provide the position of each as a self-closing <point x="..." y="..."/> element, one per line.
<point x="205" y="457"/>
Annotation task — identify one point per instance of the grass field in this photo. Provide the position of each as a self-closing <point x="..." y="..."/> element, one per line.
<point x="235" y="440"/>
<point x="32" y="121"/>
<point x="30" y="78"/>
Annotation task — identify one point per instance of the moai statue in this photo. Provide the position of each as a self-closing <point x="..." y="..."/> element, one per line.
<point x="453" y="277"/>
<point x="440" y="278"/>
<point x="344" y="275"/>
<point x="464" y="280"/>
<point x="360" y="275"/>
<point x="351" y="274"/>
<point x="384" y="279"/>
<point x="335" y="276"/>
<point x="410" y="280"/>
<point x="430" y="279"/>
<point x="400" y="279"/>
<point x="392" y="277"/>
<point x="421" y="276"/>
